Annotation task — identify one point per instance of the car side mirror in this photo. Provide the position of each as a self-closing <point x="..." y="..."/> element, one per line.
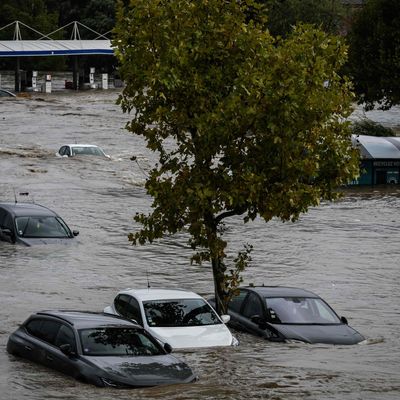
<point x="256" y="319"/>
<point x="167" y="348"/>
<point x="225" y="318"/>
<point x="75" y="233"/>
<point x="344" y="320"/>
<point x="67" y="349"/>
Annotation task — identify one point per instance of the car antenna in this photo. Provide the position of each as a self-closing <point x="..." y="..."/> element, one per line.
<point x="148" y="282"/>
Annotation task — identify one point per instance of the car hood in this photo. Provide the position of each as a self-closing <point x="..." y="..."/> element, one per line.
<point x="329" y="334"/>
<point x="39" y="241"/>
<point x="194" y="336"/>
<point x="143" y="371"/>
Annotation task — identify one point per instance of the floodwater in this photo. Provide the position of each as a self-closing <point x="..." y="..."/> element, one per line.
<point x="348" y="252"/>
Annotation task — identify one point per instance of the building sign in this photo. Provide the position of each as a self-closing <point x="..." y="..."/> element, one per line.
<point x="386" y="164"/>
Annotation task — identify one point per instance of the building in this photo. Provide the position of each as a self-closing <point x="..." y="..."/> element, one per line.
<point x="380" y="159"/>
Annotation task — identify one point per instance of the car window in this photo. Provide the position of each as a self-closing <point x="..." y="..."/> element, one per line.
<point x="121" y="303"/>
<point x="8" y="222"/>
<point x="300" y="310"/>
<point x="118" y="342"/>
<point x="3" y="214"/>
<point x="49" y="330"/>
<point x="65" y="335"/>
<point x="126" y="308"/>
<point x="236" y="302"/>
<point x="252" y="306"/>
<point x="67" y="151"/>
<point x="134" y="310"/>
<point x="44" y="329"/>
<point x="180" y="312"/>
<point x="33" y="327"/>
<point x="45" y="227"/>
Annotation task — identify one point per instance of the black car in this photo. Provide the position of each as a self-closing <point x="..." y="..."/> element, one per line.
<point x="289" y="314"/>
<point x="30" y="223"/>
<point x="97" y="348"/>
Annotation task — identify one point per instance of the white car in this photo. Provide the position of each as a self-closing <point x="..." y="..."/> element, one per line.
<point x="178" y="317"/>
<point x="71" y="150"/>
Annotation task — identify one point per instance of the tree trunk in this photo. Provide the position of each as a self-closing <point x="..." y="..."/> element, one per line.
<point x="218" y="275"/>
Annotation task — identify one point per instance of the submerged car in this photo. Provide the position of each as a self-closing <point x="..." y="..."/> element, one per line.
<point x="101" y="349"/>
<point x="30" y="224"/>
<point x="179" y="317"/>
<point x="71" y="150"/>
<point x="289" y="314"/>
<point x="6" y="93"/>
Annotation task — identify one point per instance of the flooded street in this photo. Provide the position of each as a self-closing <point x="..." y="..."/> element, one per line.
<point x="348" y="252"/>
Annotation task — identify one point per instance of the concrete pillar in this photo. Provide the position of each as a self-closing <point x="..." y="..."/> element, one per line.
<point x="75" y="73"/>
<point x="17" y="76"/>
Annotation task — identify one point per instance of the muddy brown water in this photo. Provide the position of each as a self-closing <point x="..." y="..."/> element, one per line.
<point x="348" y="252"/>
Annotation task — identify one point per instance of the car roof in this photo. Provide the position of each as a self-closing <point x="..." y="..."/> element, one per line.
<point x="81" y="145"/>
<point x="280" y="291"/>
<point x="160" y="294"/>
<point x="87" y="319"/>
<point x="27" y="209"/>
<point x="11" y="94"/>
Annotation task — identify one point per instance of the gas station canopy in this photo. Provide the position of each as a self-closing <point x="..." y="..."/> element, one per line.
<point x="29" y="48"/>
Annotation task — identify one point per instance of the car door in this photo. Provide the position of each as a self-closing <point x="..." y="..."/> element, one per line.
<point x="47" y="333"/>
<point x="68" y="364"/>
<point x="31" y="346"/>
<point x="234" y="308"/>
<point x="252" y="313"/>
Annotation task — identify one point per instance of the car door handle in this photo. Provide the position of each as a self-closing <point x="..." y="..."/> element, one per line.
<point x="50" y="358"/>
<point x="28" y="348"/>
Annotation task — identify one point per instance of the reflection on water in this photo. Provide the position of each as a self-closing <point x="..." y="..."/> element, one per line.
<point x="347" y="252"/>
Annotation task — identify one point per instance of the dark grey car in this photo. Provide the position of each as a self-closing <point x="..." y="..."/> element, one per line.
<point x="30" y="223"/>
<point x="289" y="314"/>
<point x="97" y="348"/>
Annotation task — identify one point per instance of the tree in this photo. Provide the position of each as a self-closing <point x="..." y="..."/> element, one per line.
<point x="243" y="124"/>
<point x="284" y="14"/>
<point x="374" y="56"/>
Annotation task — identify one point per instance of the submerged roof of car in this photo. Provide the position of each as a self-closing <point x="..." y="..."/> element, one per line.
<point x="81" y="145"/>
<point x="160" y="294"/>
<point x="28" y="209"/>
<point x="281" y="291"/>
<point x="87" y="319"/>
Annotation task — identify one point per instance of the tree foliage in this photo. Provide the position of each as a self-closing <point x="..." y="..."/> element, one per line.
<point x="374" y="56"/>
<point x="284" y="14"/>
<point x="243" y="124"/>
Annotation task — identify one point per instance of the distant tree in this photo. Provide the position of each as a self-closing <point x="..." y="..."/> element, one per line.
<point x="37" y="14"/>
<point x="284" y="14"/>
<point x="243" y="124"/>
<point x="33" y="13"/>
<point x="374" y="55"/>
<point x="370" y="128"/>
<point x="100" y="15"/>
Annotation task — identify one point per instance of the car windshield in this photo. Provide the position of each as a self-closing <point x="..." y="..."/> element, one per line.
<point x="86" y="150"/>
<point x="42" y="227"/>
<point x="300" y="310"/>
<point x="182" y="312"/>
<point x="118" y="341"/>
